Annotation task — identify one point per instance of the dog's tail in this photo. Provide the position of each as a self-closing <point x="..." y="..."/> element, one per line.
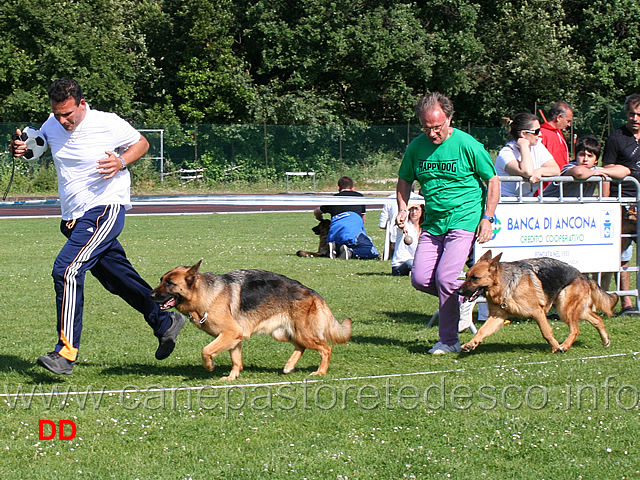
<point x="602" y="300"/>
<point x="338" y="332"/>
<point x="302" y="253"/>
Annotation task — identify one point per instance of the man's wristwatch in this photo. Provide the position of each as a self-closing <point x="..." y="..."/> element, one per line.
<point x="124" y="165"/>
<point x="487" y="217"/>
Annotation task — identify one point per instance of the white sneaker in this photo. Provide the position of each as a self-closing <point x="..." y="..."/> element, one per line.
<point x="332" y="250"/>
<point x="466" y="315"/>
<point x="442" y="348"/>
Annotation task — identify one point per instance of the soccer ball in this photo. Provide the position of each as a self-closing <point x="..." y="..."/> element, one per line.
<point x="36" y="144"/>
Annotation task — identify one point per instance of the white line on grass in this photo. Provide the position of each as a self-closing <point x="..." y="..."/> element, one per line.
<point x="306" y="381"/>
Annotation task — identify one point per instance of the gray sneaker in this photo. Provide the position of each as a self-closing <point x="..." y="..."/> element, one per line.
<point x="56" y="363"/>
<point x="345" y="253"/>
<point x="168" y="341"/>
<point x="442" y="348"/>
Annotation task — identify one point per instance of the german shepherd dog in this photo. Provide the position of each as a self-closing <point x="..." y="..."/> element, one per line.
<point x="321" y="229"/>
<point x="629" y="223"/>
<point x="528" y="289"/>
<point x="235" y="305"/>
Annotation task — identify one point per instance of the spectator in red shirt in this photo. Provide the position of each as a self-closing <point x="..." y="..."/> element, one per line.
<point x="560" y="118"/>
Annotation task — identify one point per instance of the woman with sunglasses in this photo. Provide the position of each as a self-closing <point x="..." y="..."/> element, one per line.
<point x="525" y="156"/>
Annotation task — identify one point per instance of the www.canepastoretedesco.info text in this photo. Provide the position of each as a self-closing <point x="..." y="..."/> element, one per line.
<point x="445" y="394"/>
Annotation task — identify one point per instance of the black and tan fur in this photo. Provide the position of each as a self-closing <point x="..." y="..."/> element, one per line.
<point x="629" y="224"/>
<point x="528" y="289"/>
<point x="321" y="229"/>
<point x="235" y="305"/>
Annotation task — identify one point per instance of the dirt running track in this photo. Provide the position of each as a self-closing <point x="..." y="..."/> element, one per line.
<point x="186" y="205"/>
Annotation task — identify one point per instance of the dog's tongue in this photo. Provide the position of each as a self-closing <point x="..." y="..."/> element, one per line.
<point x="168" y="304"/>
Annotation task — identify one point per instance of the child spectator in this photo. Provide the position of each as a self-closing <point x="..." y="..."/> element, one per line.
<point x="388" y="222"/>
<point x="585" y="166"/>
<point x="407" y="241"/>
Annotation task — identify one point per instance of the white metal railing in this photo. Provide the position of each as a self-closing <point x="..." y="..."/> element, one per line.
<point x="615" y="197"/>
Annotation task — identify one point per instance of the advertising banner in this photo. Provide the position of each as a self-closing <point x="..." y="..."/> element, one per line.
<point x="586" y="236"/>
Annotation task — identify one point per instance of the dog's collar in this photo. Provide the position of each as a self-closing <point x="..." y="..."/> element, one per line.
<point x="503" y="303"/>
<point x="202" y="319"/>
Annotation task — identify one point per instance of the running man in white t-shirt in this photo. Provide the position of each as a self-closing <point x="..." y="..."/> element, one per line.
<point x="91" y="151"/>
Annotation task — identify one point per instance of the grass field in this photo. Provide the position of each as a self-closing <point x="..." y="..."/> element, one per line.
<point x="385" y="410"/>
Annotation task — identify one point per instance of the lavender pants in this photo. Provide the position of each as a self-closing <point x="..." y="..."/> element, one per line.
<point x="438" y="261"/>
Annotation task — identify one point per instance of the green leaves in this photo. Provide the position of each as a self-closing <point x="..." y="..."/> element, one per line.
<point x="316" y="61"/>
<point x="364" y="61"/>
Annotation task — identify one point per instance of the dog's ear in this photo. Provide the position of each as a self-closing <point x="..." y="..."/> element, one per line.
<point x="486" y="256"/>
<point x="191" y="274"/>
<point x="195" y="268"/>
<point x="494" y="264"/>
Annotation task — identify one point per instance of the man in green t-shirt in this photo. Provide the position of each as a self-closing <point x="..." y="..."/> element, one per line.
<point x="461" y="191"/>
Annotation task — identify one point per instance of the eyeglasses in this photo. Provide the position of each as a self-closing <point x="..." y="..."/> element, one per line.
<point x="535" y="132"/>
<point x="435" y="129"/>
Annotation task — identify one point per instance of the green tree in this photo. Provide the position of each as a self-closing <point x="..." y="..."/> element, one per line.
<point x="453" y="39"/>
<point x="336" y="60"/>
<point x="94" y="41"/>
<point x="216" y="86"/>
<point x="318" y="62"/>
<point x="608" y="38"/>
<point x="528" y="59"/>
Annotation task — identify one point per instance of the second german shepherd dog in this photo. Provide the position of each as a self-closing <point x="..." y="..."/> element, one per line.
<point x="235" y="305"/>
<point x="322" y="230"/>
<point x="629" y="223"/>
<point x="528" y="289"/>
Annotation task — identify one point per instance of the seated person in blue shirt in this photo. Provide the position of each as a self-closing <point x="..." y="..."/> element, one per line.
<point x="346" y="233"/>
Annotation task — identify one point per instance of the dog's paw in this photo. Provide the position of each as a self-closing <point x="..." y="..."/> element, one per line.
<point x="468" y="347"/>
<point x="232" y="376"/>
<point x="207" y="364"/>
<point x="318" y="372"/>
<point x="560" y="349"/>
<point x="606" y="344"/>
